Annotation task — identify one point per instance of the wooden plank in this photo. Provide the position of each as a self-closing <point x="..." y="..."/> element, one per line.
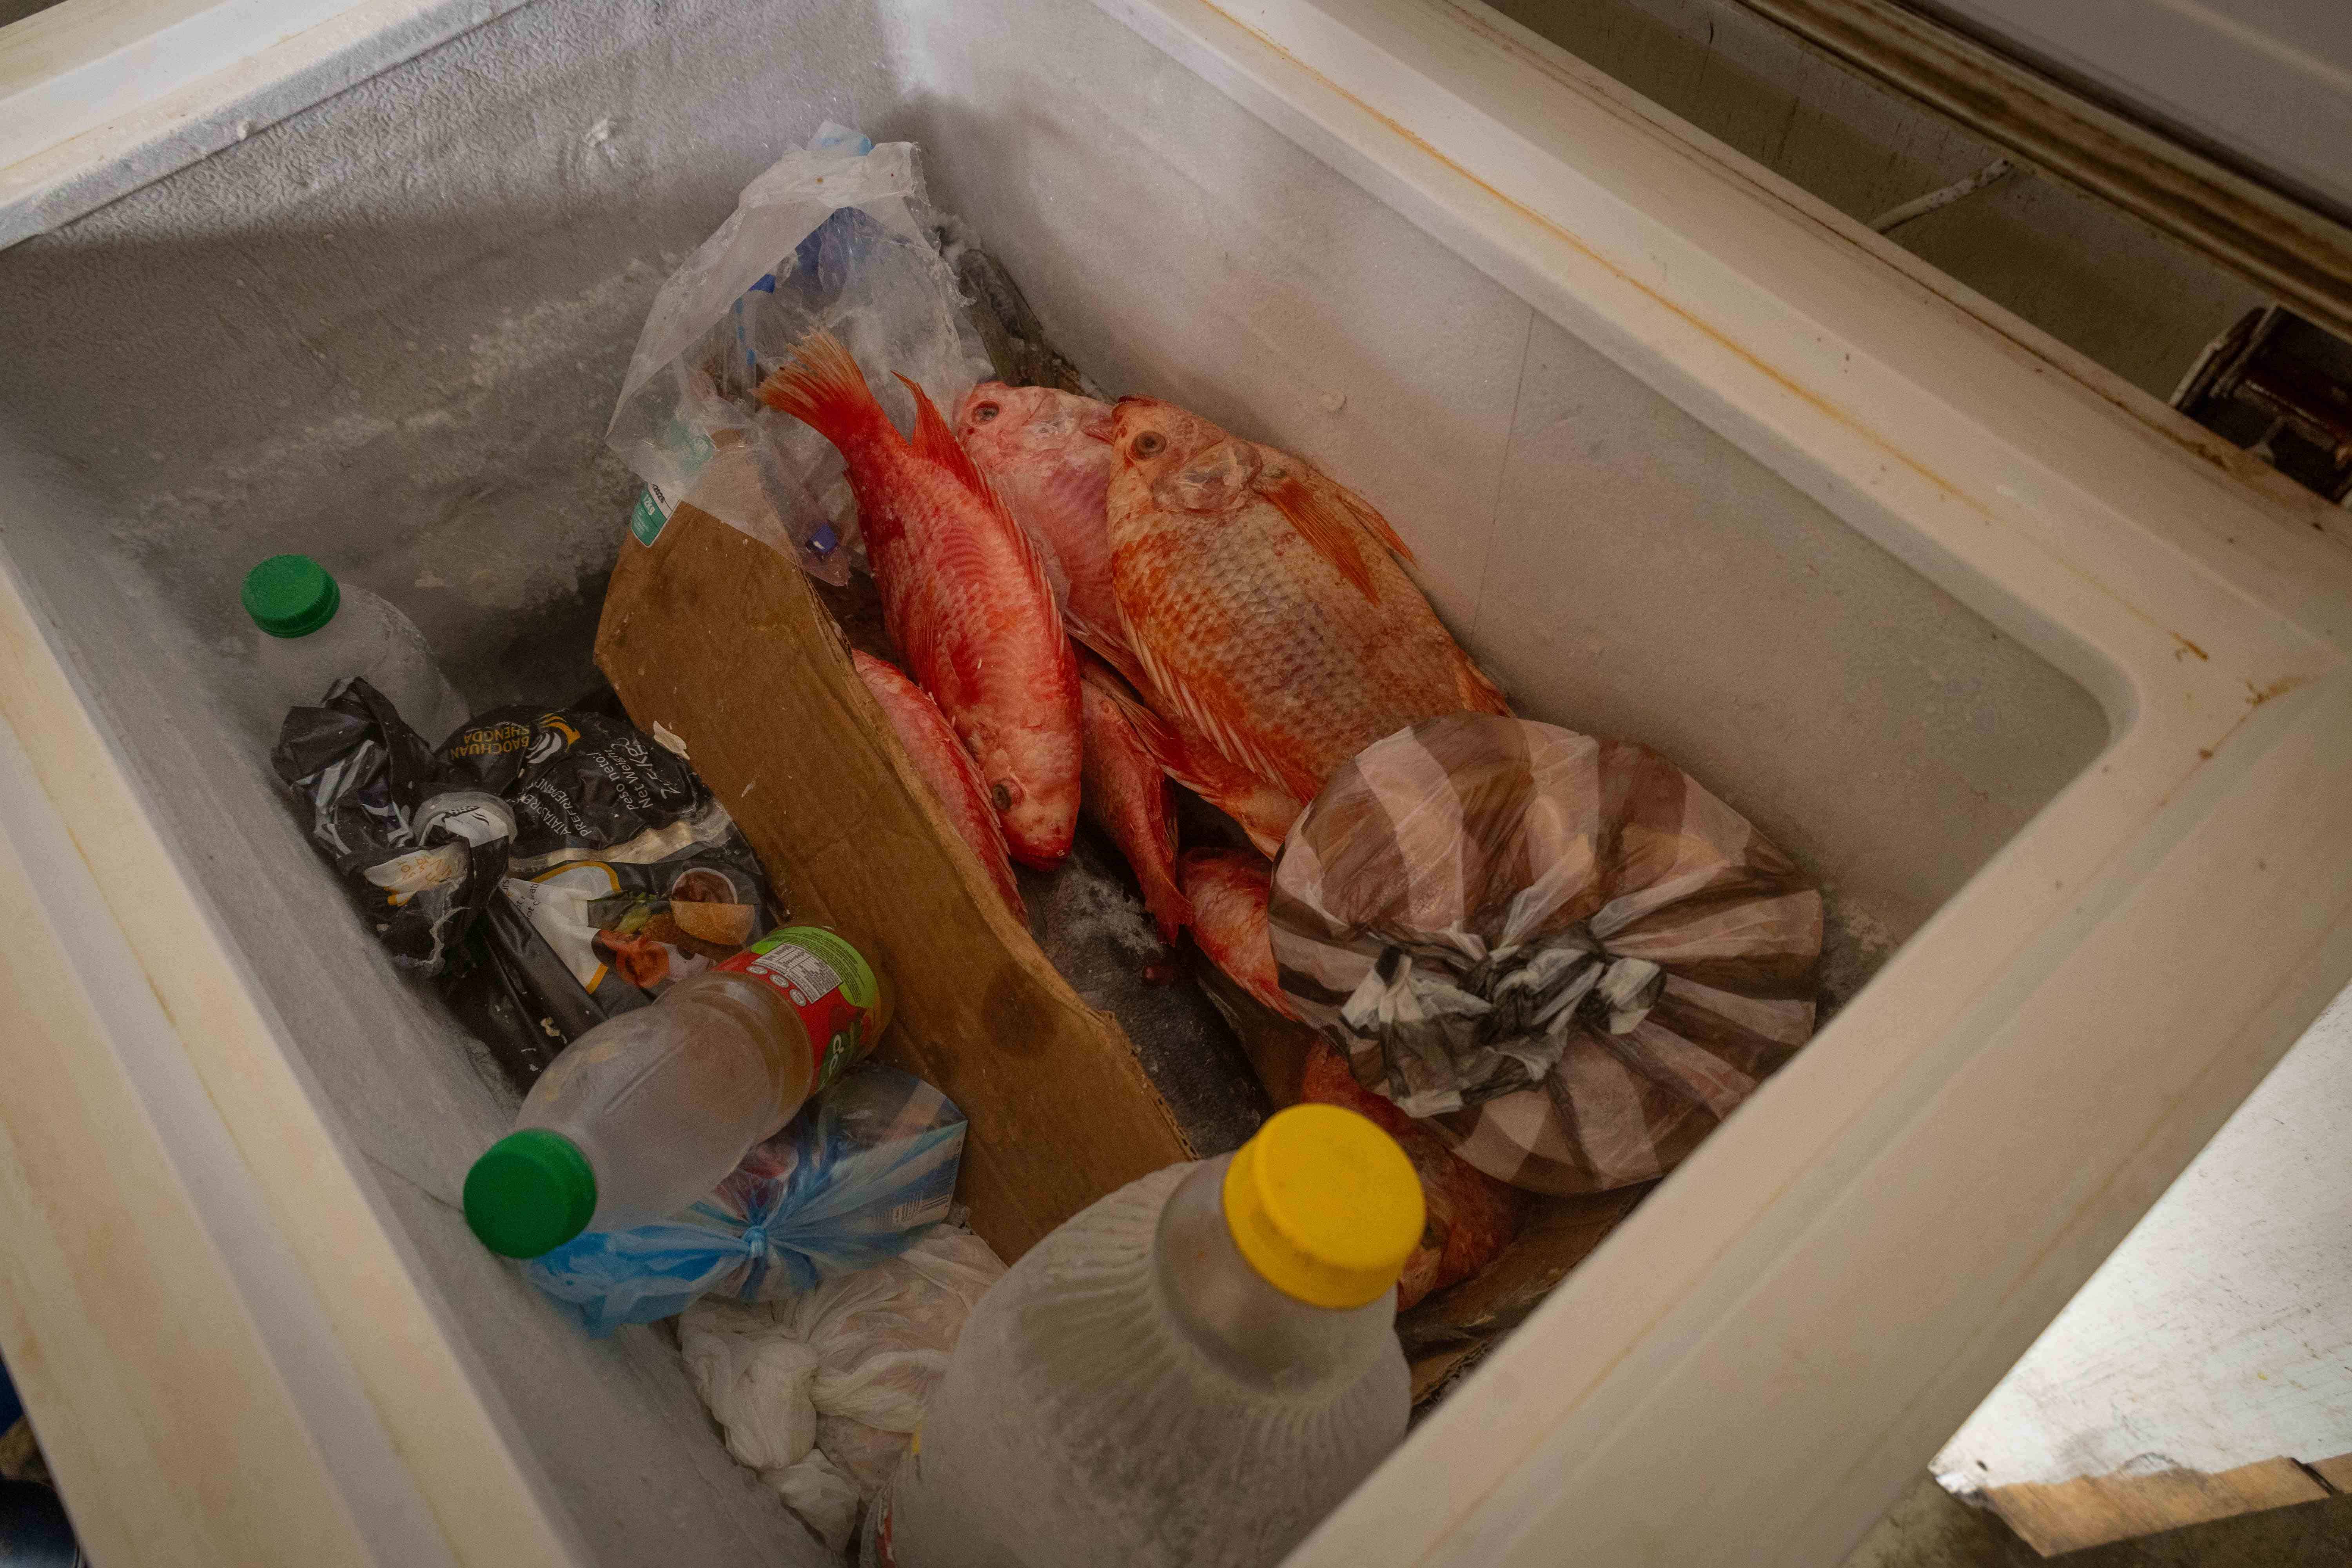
<point x="721" y="641"/>
<point x="2268" y="238"/>
<point x="2337" y="1472"/>
<point x="2218" y="1334"/>
<point x="2092" y="1510"/>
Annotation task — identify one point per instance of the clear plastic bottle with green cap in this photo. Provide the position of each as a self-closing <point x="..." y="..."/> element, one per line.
<point x="648" y="1111"/>
<point x="313" y="631"/>
<point x="1192" y="1372"/>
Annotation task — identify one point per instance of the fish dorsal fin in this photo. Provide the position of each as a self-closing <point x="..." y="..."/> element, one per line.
<point x="1108" y="645"/>
<point x="1172" y="692"/>
<point x="935" y="439"/>
<point x="1153" y="732"/>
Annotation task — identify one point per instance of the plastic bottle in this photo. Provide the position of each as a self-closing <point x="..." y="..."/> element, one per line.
<point x="1193" y="1371"/>
<point x="648" y="1111"/>
<point x="314" y="631"/>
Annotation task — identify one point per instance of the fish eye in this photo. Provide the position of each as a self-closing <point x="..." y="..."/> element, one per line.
<point x="984" y="413"/>
<point x="1150" y="444"/>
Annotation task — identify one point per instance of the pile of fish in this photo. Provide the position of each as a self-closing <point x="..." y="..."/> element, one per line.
<point x="1093" y="600"/>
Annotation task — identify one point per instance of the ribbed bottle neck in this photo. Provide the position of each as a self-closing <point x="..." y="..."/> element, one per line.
<point x="1234" y="1317"/>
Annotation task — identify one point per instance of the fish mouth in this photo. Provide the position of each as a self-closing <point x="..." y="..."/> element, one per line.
<point x="1037" y="832"/>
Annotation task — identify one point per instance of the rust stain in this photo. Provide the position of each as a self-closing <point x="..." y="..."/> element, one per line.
<point x="2187" y="646"/>
<point x="2258" y="695"/>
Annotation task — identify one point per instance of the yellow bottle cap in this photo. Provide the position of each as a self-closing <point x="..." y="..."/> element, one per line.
<point x="1324" y="1205"/>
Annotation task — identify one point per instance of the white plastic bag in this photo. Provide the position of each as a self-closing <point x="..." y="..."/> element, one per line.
<point x="820" y="1390"/>
<point x="837" y="238"/>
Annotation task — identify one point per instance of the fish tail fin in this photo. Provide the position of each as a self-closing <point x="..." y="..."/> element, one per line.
<point x="1477" y="688"/>
<point x="1171" y="911"/>
<point x="825" y="390"/>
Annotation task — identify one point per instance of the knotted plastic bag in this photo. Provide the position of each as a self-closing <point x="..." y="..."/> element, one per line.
<point x="837" y="238"/>
<point x="821" y="1391"/>
<point x="1563" y="950"/>
<point x="847" y="1184"/>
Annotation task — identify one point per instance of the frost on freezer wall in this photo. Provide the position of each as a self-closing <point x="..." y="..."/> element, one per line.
<point x="393" y="326"/>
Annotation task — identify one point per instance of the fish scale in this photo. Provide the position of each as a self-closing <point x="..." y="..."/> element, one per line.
<point x="1251" y="629"/>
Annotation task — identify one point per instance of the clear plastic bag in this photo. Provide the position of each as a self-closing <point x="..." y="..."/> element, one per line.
<point x="837" y="238"/>
<point x="848" y="1184"/>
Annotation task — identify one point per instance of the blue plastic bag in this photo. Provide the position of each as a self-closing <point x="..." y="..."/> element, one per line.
<point x="854" y="1179"/>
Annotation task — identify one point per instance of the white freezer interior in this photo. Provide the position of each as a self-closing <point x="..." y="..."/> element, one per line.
<point x="388" y="332"/>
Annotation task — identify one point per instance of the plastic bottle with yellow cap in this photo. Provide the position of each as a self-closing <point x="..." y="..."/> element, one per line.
<point x="1194" y="1370"/>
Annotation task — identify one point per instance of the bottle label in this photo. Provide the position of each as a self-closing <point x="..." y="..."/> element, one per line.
<point x="828" y="981"/>
<point x="651" y="515"/>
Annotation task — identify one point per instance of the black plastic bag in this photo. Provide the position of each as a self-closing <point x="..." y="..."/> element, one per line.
<point x="626" y="875"/>
<point x="419" y="857"/>
<point x="577" y="780"/>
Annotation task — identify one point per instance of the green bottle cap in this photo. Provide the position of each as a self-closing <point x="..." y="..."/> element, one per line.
<point x="530" y="1193"/>
<point x="291" y="595"/>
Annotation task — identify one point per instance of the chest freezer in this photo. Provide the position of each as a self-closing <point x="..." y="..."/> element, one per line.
<point x="2047" y="686"/>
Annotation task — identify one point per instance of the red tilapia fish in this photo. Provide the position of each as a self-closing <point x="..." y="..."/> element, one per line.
<point x="1128" y="795"/>
<point x="1266" y="605"/>
<point x="1048" y="453"/>
<point x="1228" y="888"/>
<point x="953" y="777"/>
<point x="965" y="595"/>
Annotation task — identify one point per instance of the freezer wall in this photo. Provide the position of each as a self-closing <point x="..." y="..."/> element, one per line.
<point x="389" y="331"/>
<point x="1619" y="566"/>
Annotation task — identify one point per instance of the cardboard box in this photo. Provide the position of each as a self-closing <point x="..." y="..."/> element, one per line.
<point x="722" y="642"/>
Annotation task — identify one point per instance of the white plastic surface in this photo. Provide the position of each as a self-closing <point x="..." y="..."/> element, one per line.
<point x="2049" y="692"/>
<point x="1134" y="1392"/>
